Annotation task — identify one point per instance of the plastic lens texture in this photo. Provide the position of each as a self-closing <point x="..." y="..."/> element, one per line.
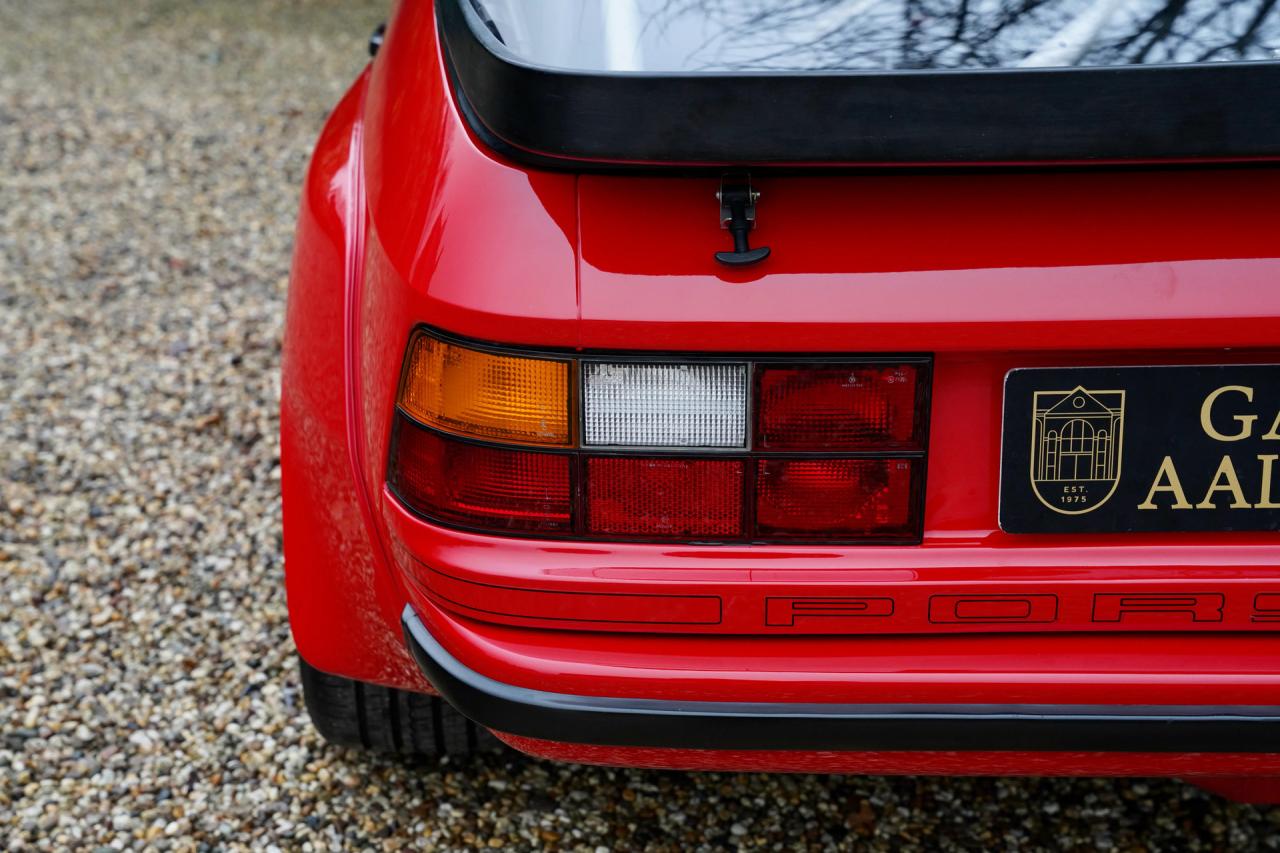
<point x="500" y="397"/>
<point x="835" y="452"/>
<point x="804" y="498"/>
<point x="476" y="486"/>
<point x="838" y="408"/>
<point x="668" y="497"/>
<point x="665" y="405"/>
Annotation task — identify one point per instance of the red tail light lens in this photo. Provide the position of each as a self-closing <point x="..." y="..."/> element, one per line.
<point x="838" y="407"/>
<point x="836" y="498"/>
<point x="477" y="486"/>
<point x="669" y="449"/>
<point x="665" y="497"/>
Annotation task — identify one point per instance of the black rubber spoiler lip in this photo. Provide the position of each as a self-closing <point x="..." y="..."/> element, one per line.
<point x="561" y="118"/>
<point x="610" y="721"/>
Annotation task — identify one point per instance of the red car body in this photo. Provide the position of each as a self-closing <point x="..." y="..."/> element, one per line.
<point x="408" y="219"/>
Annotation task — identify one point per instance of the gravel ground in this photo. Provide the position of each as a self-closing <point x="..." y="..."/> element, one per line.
<point x="150" y="155"/>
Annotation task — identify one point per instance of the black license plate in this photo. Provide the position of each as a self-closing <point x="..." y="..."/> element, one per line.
<point x="1125" y="449"/>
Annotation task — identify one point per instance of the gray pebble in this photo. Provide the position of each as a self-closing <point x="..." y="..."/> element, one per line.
<point x="151" y="155"/>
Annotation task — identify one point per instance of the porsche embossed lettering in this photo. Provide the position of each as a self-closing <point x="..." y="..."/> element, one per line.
<point x="931" y="603"/>
<point x="1135" y="609"/>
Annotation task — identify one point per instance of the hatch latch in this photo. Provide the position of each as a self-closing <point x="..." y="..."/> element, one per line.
<point x="738" y="215"/>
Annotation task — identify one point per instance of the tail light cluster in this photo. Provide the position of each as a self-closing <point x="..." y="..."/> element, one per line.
<point x="683" y="449"/>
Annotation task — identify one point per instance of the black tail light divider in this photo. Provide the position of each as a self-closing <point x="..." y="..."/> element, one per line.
<point x="824" y="450"/>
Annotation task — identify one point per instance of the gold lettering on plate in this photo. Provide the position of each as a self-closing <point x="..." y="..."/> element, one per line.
<point x="1225" y="480"/>
<point x="1245" y="421"/>
<point x="1273" y="434"/>
<point x="1264" y="498"/>
<point x="1167" y="481"/>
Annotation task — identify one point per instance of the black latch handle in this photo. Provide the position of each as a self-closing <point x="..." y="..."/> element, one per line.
<point x="738" y="215"/>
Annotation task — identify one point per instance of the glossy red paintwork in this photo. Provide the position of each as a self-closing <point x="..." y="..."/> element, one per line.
<point x="1135" y="669"/>
<point x="407" y="219"/>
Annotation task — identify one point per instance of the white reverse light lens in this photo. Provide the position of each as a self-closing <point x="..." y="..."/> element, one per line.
<point x="665" y="405"/>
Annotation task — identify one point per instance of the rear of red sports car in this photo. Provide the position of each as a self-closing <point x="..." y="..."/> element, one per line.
<point x="712" y="392"/>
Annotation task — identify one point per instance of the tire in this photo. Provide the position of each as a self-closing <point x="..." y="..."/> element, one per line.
<point x="383" y="719"/>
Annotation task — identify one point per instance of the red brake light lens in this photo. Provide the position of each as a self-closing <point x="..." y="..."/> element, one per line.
<point x="810" y="451"/>
<point x="836" y="498"/>
<point x="665" y="497"/>
<point x="477" y="486"/>
<point x="838" y="407"/>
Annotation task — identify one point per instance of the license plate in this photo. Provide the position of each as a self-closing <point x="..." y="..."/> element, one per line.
<point x="1128" y="449"/>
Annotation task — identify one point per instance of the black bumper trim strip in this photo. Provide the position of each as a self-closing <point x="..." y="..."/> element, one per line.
<point x="611" y="721"/>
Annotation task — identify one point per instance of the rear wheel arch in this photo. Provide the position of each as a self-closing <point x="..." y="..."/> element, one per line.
<point x="343" y="600"/>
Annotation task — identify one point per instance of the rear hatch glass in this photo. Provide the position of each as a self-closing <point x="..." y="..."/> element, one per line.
<point x="704" y="36"/>
<point x="621" y="83"/>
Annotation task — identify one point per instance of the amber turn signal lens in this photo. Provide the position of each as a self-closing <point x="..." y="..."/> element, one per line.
<point x="499" y="397"/>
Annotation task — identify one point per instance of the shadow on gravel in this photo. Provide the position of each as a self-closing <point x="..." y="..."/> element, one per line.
<point x="512" y="799"/>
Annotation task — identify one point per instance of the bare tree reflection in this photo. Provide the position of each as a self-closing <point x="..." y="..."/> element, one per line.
<point x="862" y="34"/>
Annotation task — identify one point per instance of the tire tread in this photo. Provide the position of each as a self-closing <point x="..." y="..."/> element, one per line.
<point x="382" y="719"/>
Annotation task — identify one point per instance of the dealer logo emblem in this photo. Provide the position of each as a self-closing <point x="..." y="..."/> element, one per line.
<point x="1077" y="443"/>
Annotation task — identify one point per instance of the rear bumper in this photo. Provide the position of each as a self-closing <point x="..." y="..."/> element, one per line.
<point x="640" y="722"/>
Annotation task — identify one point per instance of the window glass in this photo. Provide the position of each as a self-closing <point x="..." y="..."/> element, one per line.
<point x="691" y="36"/>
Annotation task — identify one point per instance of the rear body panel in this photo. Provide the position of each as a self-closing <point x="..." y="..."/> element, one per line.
<point x="945" y="263"/>
<point x="409" y="219"/>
